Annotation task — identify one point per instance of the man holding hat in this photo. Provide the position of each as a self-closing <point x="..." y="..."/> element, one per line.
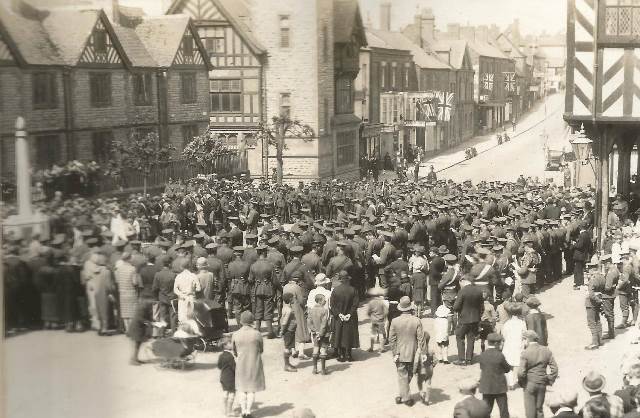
<point x="470" y="406"/>
<point x="493" y="382"/>
<point x="533" y="376"/>
<point x="406" y="336"/>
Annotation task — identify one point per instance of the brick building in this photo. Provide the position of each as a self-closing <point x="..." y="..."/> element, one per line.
<point x="82" y="82"/>
<point x="522" y="97"/>
<point x="304" y="65"/>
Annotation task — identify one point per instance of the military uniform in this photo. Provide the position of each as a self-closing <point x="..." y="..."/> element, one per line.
<point x="239" y="286"/>
<point x="263" y="277"/>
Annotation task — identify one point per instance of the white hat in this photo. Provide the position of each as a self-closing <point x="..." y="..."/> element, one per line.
<point x="321" y="279"/>
<point x="442" y="311"/>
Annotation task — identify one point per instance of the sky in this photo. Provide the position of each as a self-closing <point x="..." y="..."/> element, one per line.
<point x="535" y="15"/>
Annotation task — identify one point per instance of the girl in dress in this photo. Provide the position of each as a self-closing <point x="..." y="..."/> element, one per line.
<point x="513" y="344"/>
<point x="227" y="366"/>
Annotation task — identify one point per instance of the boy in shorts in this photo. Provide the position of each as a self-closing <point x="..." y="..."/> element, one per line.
<point x="377" y="310"/>
<point x="288" y="331"/>
<point x="319" y="326"/>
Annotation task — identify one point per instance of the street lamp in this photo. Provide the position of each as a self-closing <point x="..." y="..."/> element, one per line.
<point x="582" y="147"/>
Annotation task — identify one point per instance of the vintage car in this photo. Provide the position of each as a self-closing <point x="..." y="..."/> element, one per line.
<point x="554" y="160"/>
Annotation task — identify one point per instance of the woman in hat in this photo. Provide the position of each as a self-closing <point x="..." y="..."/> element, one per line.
<point x="344" y="312"/>
<point x="302" y="331"/>
<point x="102" y="288"/>
<point x="513" y="345"/>
<point x="128" y="282"/>
<point x="248" y="348"/>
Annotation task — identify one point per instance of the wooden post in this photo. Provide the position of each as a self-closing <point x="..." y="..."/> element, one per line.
<point x="604" y="187"/>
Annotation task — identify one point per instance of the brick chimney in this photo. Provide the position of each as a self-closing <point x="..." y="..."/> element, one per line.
<point x="427" y="25"/>
<point x="385" y="15"/>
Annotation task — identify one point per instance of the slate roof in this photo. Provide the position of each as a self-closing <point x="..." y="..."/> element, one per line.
<point x="397" y="40"/>
<point x="486" y="49"/>
<point x="347" y="14"/>
<point x="161" y="36"/>
<point x="456" y="48"/>
<point x="30" y="38"/>
<point x="134" y="48"/>
<point x="69" y="30"/>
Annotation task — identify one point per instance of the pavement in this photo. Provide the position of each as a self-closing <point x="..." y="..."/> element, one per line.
<point x="59" y="375"/>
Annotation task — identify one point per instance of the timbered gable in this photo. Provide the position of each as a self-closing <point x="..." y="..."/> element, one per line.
<point x="189" y="52"/>
<point x="198" y="10"/>
<point x="6" y="57"/>
<point x="100" y="48"/>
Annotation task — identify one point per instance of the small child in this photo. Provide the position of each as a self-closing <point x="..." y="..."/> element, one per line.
<point x="318" y="325"/>
<point x="227" y="366"/>
<point x="487" y="320"/>
<point x="405" y="284"/>
<point x="423" y="368"/>
<point x="288" y="330"/>
<point x="441" y="325"/>
<point x="378" y="311"/>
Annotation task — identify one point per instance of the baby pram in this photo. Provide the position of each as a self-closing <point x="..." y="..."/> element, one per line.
<point x="177" y="352"/>
<point x="212" y="322"/>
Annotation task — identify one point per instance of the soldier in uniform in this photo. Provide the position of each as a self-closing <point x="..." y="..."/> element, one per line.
<point x="530" y="261"/>
<point x="593" y="305"/>
<point x="294" y="266"/>
<point x="263" y="277"/>
<point x="239" y="286"/>
<point x="450" y="285"/>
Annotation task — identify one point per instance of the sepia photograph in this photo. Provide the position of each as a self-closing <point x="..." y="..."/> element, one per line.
<point x="320" y="208"/>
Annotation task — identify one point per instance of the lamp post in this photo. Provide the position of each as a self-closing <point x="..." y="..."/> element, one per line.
<point x="583" y="149"/>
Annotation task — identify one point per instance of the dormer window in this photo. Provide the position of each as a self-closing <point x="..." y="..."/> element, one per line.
<point x="100" y="41"/>
<point x="187" y="46"/>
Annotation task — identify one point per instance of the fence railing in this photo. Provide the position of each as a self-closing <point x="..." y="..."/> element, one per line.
<point x="225" y="165"/>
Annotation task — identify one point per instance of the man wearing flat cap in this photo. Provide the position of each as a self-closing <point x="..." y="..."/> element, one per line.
<point x="493" y="382"/>
<point x="470" y="406"/>
<point x="535" y="360"/>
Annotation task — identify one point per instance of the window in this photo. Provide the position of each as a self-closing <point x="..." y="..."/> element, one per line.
<point x="48" y="151"/>
<point x="406" y="76"/>
<point x="346" y="148"/>
<point x="285" y="32"/>
<point x="188" y="82"/>
<point x="102" y="146"/>
<point x="187" y="45"/>
<point x="394" y="70"/>
<point x="142" y="89"/>
<point x="285" y="104"/>
<point x="383" y="75"/>
<point x="100" y="89"/>
<point x="188" y="133"/>
<point x="325" y="112"/>
<point x="44" y="91"/>
<point x="622" y="18"/>
<point x="395" y="110"/>
<point x="344" y="95"/>
<point x="100" y="41"/>
<point x="225" y="95"/>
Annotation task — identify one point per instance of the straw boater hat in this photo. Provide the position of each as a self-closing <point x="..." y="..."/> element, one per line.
<point x="321" y="279"/>
<point x="593" y="382"/>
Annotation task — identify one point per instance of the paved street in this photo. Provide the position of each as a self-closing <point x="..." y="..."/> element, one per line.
<point x="81" y="375"/>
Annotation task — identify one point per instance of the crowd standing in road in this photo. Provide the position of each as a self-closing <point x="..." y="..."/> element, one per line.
<point x="301" y="260"/>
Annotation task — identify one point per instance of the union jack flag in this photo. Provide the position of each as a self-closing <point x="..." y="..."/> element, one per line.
<point x="445" y="107"/>
<point x="487" y="81"/>
<point x="510" y="81"/>
<point x="425" y="109"/>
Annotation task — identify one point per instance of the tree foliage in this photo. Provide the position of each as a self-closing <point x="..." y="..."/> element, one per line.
<point x="141" y="153"/>
<point x="204" y="149"/>
<point x="276" y="133"/>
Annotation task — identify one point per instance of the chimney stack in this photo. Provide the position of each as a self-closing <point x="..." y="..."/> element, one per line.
<point x="385" y="15"/>
<point x="427" y="25"/>
<point x="115" y="12"/>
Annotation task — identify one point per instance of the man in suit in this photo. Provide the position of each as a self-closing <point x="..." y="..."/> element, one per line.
<point x="536" y="320"/>
<point x="470" y="406"/>
<point x="533" y="376"/>
<point x="469" y="305"/>
<point x="493" y="382"/>
<point x="581" y="254"/>
<point x="406" y="337"/>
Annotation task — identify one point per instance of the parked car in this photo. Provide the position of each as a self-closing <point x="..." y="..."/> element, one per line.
<point x="554" y="160"/>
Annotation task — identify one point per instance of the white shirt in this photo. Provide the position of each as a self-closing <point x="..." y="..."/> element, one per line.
<point x="186" y="285"/>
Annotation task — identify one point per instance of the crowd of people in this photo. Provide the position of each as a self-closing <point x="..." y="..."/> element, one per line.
<point x="301" y="260"/>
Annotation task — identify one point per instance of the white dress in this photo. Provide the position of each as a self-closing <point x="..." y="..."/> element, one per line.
<point x="512" y="333"/>
<point x="185" y="287"/>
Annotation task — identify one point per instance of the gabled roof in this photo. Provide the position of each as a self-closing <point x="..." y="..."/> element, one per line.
<point x="397" y="40"/>
<point x="28" y="39"/>
<point x="347" y="20"/>
<point x="162" y="36"/>
<point x="69" y="30"/>
<point x="509" y="47"/>
<point x="238" y="15"/>
<point x="486" y="49"/>
<point x="135" y="49"/>
<point x="456" y="49"/>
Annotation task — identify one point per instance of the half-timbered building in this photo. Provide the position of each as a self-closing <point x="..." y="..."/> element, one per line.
<point x="603" y="89"/>
<point x="82" y="86"/>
